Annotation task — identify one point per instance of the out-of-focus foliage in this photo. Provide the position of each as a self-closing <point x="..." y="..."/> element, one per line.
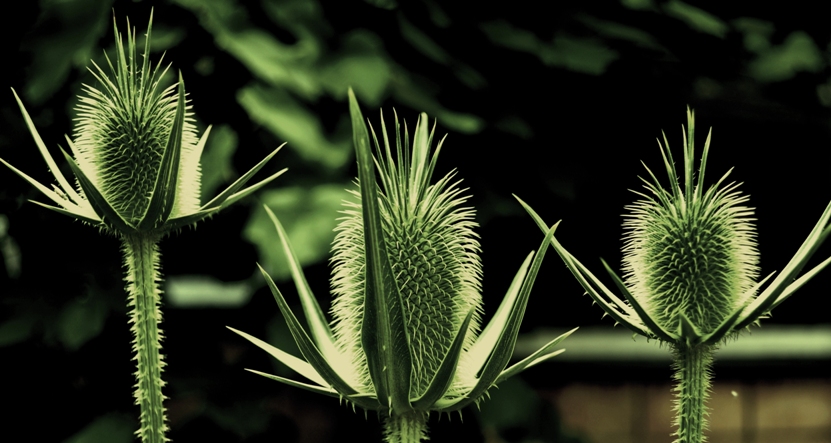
<point x="556" y="104"/>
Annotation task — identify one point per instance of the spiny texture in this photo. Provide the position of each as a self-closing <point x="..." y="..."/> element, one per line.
<point x="692" y="377"/>
<point x="691" y="252"/>
<point x="433" y="253"/>
<point x="122" y="131"/>
<point x="141" y="255"/>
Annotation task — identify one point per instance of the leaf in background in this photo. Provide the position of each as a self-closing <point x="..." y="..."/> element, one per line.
<point x="291" y="121"/>
<point x="585" y="55"/>
<point x="17" y="329"/>
<point x="81" y="320"/>
<point x="362" y="65"/>
<point x="432" y="50"/>
<point x="798" y="53"/>
<point x="110" y="428"/>
<point x="756" y="32"/>
<point x="217" y="160"/>
<point x="203" y="291"/>
<point x="697" y="19"/>
<point x="80" y="24"/>
<point x="309" y="215"/>
<point x="619" y="31"/>
<point x="9" y="251"/>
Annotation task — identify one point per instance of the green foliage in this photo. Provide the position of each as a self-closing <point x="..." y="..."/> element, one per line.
<point x="109" y="428"/>
<point x="309" y="215"/>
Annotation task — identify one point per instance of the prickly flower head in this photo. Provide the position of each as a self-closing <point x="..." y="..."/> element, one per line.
<point x="689" y="252"/>
<point x="135" y="151"/>
<point x="433" y="253"/>
<point x="405" y="338"/>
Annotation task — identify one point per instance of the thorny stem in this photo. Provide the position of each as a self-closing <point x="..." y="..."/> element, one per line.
<point x="141" y="253"/>
<point x="692" y="365"/>
<point x="406" y="428"/>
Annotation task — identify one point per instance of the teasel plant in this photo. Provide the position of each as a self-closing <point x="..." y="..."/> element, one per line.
<point x="690" y="274"/>
<point x="135" y="157"/>
<point x="405" y="338"/>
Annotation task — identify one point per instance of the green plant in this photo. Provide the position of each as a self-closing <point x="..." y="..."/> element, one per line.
<point x="406" y="279"/>
<point x="135" y="157"/>
<point x="690" y="274"/>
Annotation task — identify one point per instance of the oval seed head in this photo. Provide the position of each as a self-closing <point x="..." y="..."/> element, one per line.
<point x="690" y="252"/>
<point x="433" y="252"/>
<point x="122" y="131"/>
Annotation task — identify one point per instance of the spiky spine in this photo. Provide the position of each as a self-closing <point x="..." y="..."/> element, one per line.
<point x="141" y="255"/>
<point x="406" y="428"/>
<point x="692" y="366"/>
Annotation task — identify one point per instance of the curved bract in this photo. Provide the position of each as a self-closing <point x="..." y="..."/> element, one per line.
<point x="135" y="153"/>
<point x="405" y="338"/>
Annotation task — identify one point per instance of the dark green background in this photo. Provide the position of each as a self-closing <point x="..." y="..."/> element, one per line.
<point x="557" y="105"/>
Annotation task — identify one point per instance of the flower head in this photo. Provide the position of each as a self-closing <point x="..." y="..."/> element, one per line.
<point x="690" y="258"/>
<point x="407" y="302"/>
<point x="135" y="152"/>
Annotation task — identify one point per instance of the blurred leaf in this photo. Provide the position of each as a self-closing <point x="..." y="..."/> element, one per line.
<point x="620" y="32"/>
<point x="81" y="320"/>
<point x="243" y="419"/>
<point x="202" y="291"/>
<point x="9" y="251"/>
<point x="640" y="5"/>
<point x="756" y="32"/>
<point x="797" y="53"/>
<point x="79" y="24"/>
<point x="291" y="66"/>
<point x="17" y="329"/>
<point x="301" y="17"/>
<point x="289" y="120"/>
<point x="110" y="428"/>
<point x="513" y="404"/>
<point x="695" y="18"/>
<point x="577" y="54"/>
<point x="216" y="161"/>
<point x="424" y="44"/>
<point x="361" y="64"/>
<point x="516" y="126"/>
<point x="309" y="216"/>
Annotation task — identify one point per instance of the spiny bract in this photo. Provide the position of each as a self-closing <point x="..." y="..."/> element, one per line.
<point x="406" y="282"/>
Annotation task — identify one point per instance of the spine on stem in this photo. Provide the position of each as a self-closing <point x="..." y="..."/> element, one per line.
<point x="692" y="366"/>
<point x="142" y="256"/>
<point x="410" y="427"/>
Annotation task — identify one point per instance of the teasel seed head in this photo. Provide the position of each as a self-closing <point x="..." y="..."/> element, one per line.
<point x="433" y="252"/>
<point x="404" y="339"/>
<point x="690" y="252"/>
<point x="135" y="153"/>
<point x="122" y="131"/>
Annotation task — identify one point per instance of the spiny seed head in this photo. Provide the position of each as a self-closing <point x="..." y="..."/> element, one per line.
<point x="433" y="252"/>
<point x="688" y="251"/>
<point x="122" y="131"/>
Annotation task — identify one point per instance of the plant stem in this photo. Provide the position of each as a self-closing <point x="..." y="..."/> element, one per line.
<point x="406" y="428"/>
<point x="692" y="372"/>
<point x="142" y="257"/>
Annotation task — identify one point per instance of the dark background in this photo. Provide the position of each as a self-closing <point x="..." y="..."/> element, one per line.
<point x="556" y="105"/>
